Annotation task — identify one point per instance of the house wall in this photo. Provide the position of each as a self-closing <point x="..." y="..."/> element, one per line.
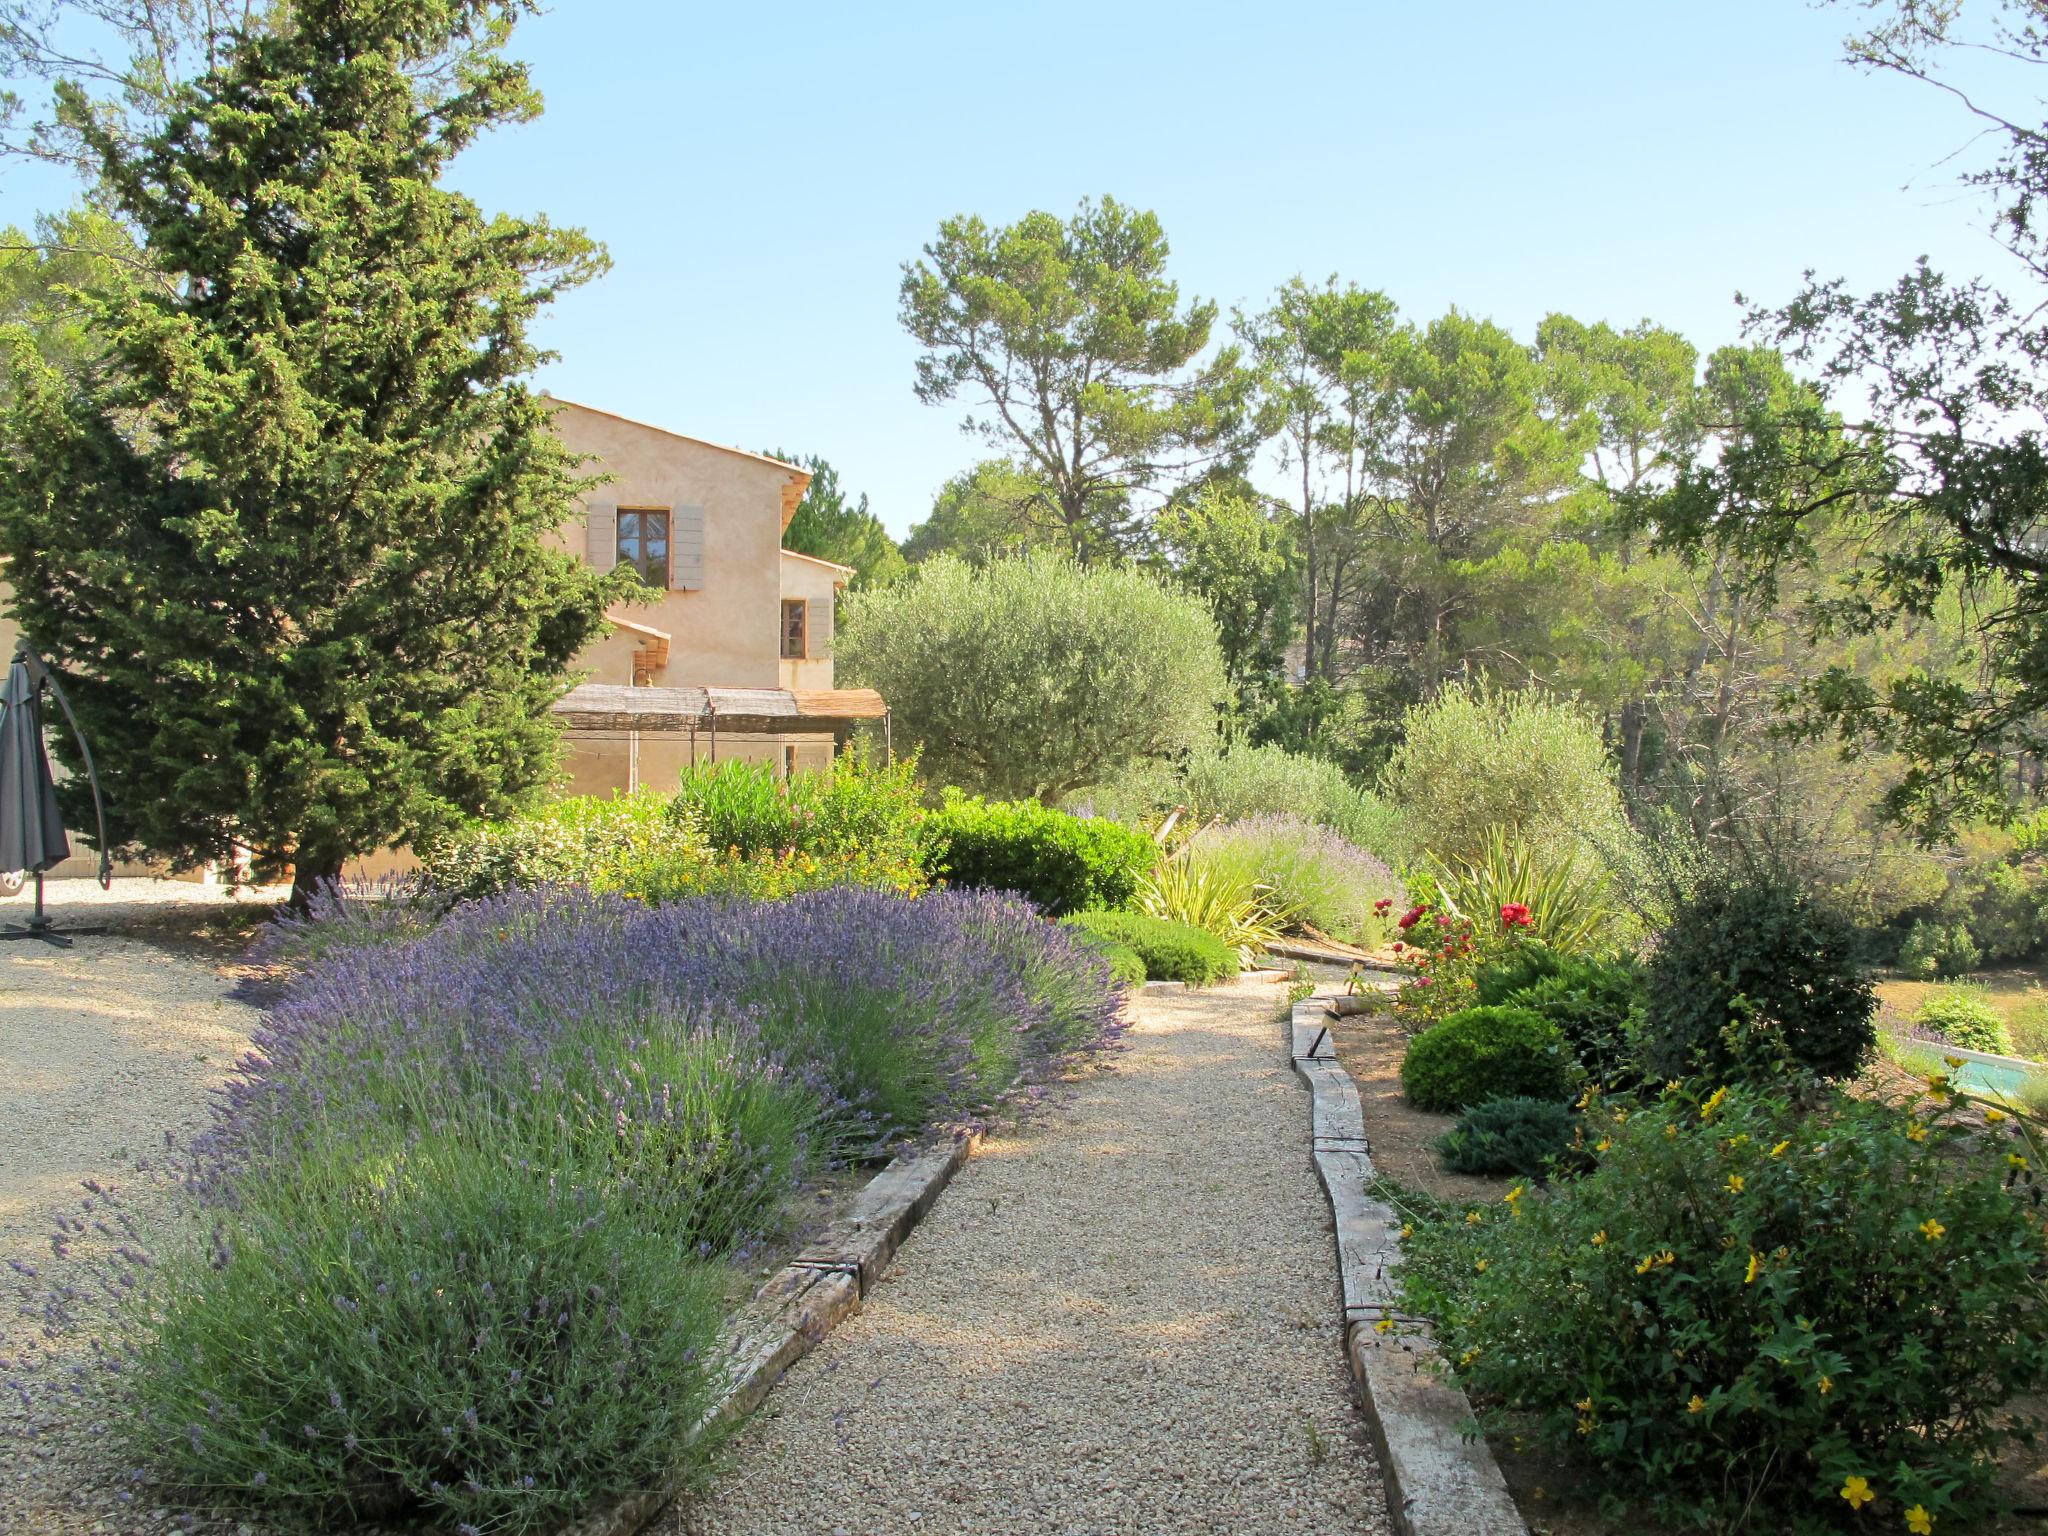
<point x="816" y="584"/>
<point x="725" y="632"/>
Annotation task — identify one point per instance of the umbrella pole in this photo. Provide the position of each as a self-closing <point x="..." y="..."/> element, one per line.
<point x="39" y="922"/>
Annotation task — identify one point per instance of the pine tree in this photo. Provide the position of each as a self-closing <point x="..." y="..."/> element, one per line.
<point x="289" y="537"/>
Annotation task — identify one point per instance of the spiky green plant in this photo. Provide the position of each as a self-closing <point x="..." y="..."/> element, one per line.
<point x="1570" y="905"/>
<point x="1219" y="900"/>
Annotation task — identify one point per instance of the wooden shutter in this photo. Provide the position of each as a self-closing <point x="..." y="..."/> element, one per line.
<point x="818" y="630"/>
<point x="686" y="549"/>
<point x="602" y="546"/>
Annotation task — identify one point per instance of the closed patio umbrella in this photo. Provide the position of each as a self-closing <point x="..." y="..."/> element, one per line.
<point x="32" y="837"/>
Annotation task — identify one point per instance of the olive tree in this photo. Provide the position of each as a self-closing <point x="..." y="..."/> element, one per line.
<point x="1031" y="676"/>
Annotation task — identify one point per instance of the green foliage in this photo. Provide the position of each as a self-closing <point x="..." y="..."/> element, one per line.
<point x="604" y="842"/>
<point x="1170" y="951"/>
<point x="1239" y="781"/>
<point x="2005" y="905"/>
<point x="1521" y="1136"/>
<point x="1751" y="975"/>
<point x="1750" y="1301"/>
<point x="1073" y="341"/>
<point x="1033" y="677"/>
<point x="1309" y="873"/>
<point x="1225" y="900"/>
<point x="748" y="808"/>
<point x="1223" y="546"/>
<point x="291" y="537"/>
<point x="1597" y="1005"/>
<point x="994" y="509"/>
<point x="1515" y="971"/>
<point x="828" y="525"/>
<point x="1486" y="1053"/>
<point x="1062" y="863"/>
<point x="1964" y="1016"/>
<point x="424" y="1318"/>
<point x="1476" y="764"/>
<point x="1570" y="909"/>
<point x="1937" y="947"/>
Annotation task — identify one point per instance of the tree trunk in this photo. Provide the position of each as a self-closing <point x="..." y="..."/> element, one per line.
<point x="313" y="872"/>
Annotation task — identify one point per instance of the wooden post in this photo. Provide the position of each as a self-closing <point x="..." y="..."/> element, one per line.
<point x="711" y="714"/>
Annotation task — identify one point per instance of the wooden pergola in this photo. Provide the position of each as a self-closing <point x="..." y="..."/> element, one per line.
<point x="610" y="708"/>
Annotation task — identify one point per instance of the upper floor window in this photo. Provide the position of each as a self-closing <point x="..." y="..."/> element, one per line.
<point x="643" y="543"/>
<point x="794" y="612"/>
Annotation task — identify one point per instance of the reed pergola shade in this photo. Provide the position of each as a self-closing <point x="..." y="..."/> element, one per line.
<point x="755" y="711"/>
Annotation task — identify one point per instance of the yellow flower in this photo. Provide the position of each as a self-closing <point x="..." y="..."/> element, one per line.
<point x="1480" y="1267"/>
<point x="1384" y="1325"/>
<point x="1512" y="1195"/>
<point x="1584" y="1405"/>
<point x="1714" y="1101"/>
<point x="1734" y="1183"/>
<point x="1648" y="1262"/>
<point x="1932" y="1230"/>
<point x="1916" y="1132"/>
<point x="1857" y="1492"/>
<point x="1993" y="1116"/>
<point x="1468" y="1357"/>
<point x="1600" y="1238"/>
<point x="1697" y="1404"/>
<point x="1673" y="1086"/>
<point x="1827" y="1385"/>
<point x="1918" y="1521"/>
<point x="1671" y="1132"/>
<point x="1602" y="1144"/>
<point x="1779" y="1148"/>
<point x="1756" y="1265"/>
<point x="2015" y="1159"/>
<point x="1471" y="1218"/>
<point x="1407" y="1229"/>
<point x="1952" y="1062"/>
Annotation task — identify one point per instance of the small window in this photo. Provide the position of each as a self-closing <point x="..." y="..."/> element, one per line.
<point x="794" y="610"/>
<point x="643" y="543"/>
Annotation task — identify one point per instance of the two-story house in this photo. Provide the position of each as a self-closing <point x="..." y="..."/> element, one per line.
<point x="736" y="614"/>
<point x="731" y="656"/>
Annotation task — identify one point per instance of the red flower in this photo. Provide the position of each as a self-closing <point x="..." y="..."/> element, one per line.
<point x="1516" y="915"/>
<point x="1443" y="922"/>
<point x="1399" y="946"/>
<point x="1411" y="918"/>
<point x="1383" y="903"/>
<point x="1422" y="981"/>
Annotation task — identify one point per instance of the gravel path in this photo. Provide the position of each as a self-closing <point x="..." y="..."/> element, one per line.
<point x="1125" y="1319"/>
<point x="103" y="1047"/>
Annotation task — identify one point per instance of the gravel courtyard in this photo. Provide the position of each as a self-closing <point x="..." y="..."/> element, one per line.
<point x="1124" y="1319"/>
<point x="103" y="1047"/>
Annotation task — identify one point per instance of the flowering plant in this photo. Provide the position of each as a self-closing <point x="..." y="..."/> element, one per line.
<point x="1699" y="1315"/>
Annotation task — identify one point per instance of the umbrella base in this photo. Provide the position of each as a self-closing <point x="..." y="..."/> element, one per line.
<point x="61" y="937"/>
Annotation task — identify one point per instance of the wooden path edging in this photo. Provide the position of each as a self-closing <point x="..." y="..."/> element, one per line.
<point x="1441" y="1478"/>
<point x="801" y="1303"/>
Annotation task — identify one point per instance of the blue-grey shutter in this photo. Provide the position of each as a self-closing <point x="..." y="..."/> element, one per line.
<point x="686" y="549"/>
<point x="601" y="547"/>
<point x="818" y="630"/>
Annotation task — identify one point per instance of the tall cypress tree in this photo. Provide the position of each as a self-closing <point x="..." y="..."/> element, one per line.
<point x="288" y="535"/>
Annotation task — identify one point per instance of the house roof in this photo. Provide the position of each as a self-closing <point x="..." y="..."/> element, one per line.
<point x="830" y="565"/>
<point x="792" y="493"/>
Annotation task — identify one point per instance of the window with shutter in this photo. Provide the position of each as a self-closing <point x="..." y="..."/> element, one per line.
<point x="794" y="629"/>
<point x="643" y="543"/>
<point x="821" y="628"/>
<point x="601" y="544"/>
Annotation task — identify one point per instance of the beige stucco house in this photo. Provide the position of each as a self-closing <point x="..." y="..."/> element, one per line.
<point x="731" y="654"/>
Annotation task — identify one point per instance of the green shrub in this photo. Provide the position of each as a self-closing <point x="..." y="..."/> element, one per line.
<point x="1518" y="1136"/>
<point x="1597" y="1005"/>
<point x="602" y="841"/>
<point x="2005" y="911"/>
<point x="1517" y="970"/>
<point x="1566" y="902"/>
<point x="1750" y="976"/>
<point x="1061" y="862"/>
<point x="1486" y="1053"/>
<point x="1749" y="1302"/>
<point x="1964" y="1016"/>
<point x="1126" y="965"/>
<point x="1237" y="782"/>
<point x="1309" y="872"/>
<point x="1222" y="900"/>
<point x="1473" y="761"/>
<point x="1938" y="947"/>
<point x="1029" y="677"/>
<point x="475" y="1328"/>
<point x="745" y="807"/>
<point x="1170" y="951"/>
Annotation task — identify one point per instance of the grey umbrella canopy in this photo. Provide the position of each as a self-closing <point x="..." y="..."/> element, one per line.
<point x="31" y="826"/>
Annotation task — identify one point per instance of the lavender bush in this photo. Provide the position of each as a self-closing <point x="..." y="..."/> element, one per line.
<point x="461" y="1220"/>
<point x="1335" y="885"/>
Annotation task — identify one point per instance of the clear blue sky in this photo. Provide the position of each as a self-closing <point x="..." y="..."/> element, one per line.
<point x="759" y="173"/>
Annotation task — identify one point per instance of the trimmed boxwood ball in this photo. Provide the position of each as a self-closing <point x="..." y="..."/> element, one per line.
<point x="1752" y="975"/>
<point x="1170" y="951"/>
<point x="1486" y="1053"/>
<point x="1061" y="863"/>
<point x="1510" y="1136"/>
